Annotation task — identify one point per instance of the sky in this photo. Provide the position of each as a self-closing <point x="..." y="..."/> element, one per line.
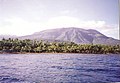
<point x="24" y="17"/>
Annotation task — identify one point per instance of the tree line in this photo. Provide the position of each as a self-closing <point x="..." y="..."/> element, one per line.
<point x="34" y="46"/>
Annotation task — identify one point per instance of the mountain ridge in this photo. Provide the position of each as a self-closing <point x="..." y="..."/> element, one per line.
<point x="73" y="34"/>
<point x="69" y="34"/>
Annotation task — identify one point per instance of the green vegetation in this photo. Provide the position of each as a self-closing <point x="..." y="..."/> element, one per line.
<point x="34" y="46"/>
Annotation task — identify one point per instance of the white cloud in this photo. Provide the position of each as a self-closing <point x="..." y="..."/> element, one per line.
<point x="62" y="21"/>
<point x="19" y="26"/>
<point x="110" y="31"/>
<point x="65" y="21"/>
<point x="92" y="24"/>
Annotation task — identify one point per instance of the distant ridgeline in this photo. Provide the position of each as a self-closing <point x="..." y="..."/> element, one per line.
<point x="35" y="46"/>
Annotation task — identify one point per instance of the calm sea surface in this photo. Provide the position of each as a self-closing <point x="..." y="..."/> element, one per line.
<point x="59" y="68"/>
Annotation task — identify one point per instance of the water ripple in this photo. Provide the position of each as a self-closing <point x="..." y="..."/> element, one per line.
<point x="59" y="68"/>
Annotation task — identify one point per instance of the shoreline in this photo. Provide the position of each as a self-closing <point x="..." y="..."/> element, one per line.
<point x="54" y="53"/>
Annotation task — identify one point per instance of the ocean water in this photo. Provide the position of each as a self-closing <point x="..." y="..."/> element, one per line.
<point x="59" y="68"/>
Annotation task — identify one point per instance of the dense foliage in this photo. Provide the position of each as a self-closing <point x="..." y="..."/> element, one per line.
<point x="34" y="46"/>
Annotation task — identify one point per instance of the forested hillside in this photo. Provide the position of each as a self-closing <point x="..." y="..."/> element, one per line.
<point x="34" y="46"/>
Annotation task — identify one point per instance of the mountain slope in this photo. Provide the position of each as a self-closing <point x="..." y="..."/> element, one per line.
<point x="72" y="34"/>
